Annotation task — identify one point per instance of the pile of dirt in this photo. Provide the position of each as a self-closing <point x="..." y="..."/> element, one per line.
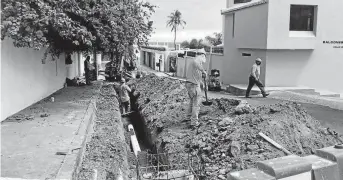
<point x="107" y="150"/>
<point x="227" y="139"/>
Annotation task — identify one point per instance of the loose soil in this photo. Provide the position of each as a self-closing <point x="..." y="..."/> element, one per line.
<point x="227" y="139"/>
<point x="107" y="150"/>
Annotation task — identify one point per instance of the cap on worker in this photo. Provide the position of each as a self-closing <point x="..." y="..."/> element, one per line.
<point x="201" y="51"/>
<point x="259" y="59"/>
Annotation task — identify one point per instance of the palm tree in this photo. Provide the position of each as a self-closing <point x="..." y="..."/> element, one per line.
<point x="174" y="22"/>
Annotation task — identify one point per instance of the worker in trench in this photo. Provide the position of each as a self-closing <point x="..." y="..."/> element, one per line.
<point x="195" y="85"/>
<point x="124" y="96"/>
<point x="255" y="78"/>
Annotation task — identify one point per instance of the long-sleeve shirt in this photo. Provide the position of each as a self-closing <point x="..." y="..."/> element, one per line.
<point x="124" y="95"/>
<point x="195" y="70"/>
<point x="255" y="71"/>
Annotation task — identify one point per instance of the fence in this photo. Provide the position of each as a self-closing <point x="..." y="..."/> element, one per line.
<point x="214" y="50"/>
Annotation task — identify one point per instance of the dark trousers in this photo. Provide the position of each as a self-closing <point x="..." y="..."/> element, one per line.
<point x="87" y="75"/>
<point x="252" y="82"/>
<point x="125" y="107"/>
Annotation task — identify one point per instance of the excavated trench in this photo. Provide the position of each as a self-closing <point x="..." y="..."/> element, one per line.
<point x="146" y="140"/>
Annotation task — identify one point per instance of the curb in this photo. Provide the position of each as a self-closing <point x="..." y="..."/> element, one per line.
<point x="70" y="167"/>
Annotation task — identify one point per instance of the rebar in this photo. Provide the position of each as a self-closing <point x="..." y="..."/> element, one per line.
<point x="190" y="164"/>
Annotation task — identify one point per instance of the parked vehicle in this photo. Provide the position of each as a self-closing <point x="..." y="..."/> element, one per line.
<point x="214" y="83"/>
<point x="111" y="71"/>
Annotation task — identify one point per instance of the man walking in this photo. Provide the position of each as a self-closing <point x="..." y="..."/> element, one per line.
<point x="87" y="70"/>
<point x="255" y="78"/>
<point x="194" y="83"/>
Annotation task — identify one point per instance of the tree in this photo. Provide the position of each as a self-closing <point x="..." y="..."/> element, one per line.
<point x="193" y="44"/>
<point x="216" y="40"/>
<point x="175" y="20"/>
<point x="76" y="26"/>
<point x="185" y="44"/>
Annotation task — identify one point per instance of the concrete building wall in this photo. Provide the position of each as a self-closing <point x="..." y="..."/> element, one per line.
<point x="318" y="68"/>
<point x="283" y="69"/>
<point x="25" y="80"/>
<point x="279" y="36"/>
<point x="250" y="27"/>
<point x="250" y="36"/>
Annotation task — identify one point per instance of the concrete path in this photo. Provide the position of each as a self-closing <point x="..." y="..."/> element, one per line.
<point x="29" y="145"/>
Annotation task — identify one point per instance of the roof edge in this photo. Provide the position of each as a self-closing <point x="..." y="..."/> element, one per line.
<point x="244" y="6"/>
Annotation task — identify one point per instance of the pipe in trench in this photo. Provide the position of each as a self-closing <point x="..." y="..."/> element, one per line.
<point x="134" y="141"/>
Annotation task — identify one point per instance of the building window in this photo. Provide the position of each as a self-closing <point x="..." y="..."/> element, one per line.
<point x="301" y="18"/>
<point x="246" y="54"/>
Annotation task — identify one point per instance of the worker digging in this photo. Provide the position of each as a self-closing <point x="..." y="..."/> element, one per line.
<point x="194" y="85"/>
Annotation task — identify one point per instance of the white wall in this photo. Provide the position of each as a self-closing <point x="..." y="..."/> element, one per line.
<point x="321" y="68"/>
<point x="251" y="27"/>
<point x="285" y="67"/>
<point x="25" y="80"/>
<point x="250" y="37"/>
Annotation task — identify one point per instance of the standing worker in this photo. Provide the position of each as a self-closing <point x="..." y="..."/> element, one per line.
<point x="87" y="70"/>
<point x="255" y="78"/>
<point x="124" y="96"/>
<point x="194" y="84"/>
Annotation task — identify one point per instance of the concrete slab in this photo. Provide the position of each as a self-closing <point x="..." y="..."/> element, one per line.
<point x="287" y="167"/>
<point x="333" y="154"/>
<point x="250" y="174"/>
<point x="322" y="169"/>
<point x="28" y="147"/>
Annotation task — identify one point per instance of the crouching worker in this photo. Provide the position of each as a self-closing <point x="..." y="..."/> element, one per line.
<point x="124" y="96"/>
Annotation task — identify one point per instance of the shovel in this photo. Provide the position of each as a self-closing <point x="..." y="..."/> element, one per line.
<point x="206" y="103"/>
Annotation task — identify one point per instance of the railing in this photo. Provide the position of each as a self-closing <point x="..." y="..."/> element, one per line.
<point x="214" y="50"/>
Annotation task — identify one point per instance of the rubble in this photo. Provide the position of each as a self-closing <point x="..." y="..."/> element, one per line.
<point x="228" y="133"/>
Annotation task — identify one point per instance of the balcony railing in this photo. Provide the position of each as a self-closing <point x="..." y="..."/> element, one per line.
<point x="214" y="50"/>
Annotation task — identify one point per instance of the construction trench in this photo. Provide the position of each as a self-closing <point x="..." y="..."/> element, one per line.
<point x="228" y="139"/>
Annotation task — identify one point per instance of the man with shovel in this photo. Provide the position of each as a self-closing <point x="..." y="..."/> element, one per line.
<point x="194" y="84"/>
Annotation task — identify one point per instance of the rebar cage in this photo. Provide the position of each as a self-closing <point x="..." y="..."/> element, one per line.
<point x="169" y="166"/>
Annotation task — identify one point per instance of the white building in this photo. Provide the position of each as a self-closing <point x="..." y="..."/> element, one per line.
<point x="300" y="42"/>
<point x="25" y="79"/>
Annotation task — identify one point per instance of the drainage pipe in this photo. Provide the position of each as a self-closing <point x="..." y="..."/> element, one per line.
<point x="134" y="141"/>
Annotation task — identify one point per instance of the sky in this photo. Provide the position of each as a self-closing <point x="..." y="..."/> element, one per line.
<point x="202" y="17"/>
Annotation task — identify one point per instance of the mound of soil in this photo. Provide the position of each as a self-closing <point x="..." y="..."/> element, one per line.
<point x="227" y="139"/>
<point x="107" y="150"/>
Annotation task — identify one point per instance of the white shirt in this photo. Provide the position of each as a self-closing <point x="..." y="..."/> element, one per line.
<point x="255" y="71"/>
<point x="195" y="70"/>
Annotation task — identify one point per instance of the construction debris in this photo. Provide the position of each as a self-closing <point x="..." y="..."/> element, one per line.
<point x="228" y="135"/>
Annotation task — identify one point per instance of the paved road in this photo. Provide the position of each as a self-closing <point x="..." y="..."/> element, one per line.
<point x="327" y="116"/>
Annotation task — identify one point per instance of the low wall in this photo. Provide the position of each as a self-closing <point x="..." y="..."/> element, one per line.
<point x="25" y="80"/>
<point x="327" y="164"/>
